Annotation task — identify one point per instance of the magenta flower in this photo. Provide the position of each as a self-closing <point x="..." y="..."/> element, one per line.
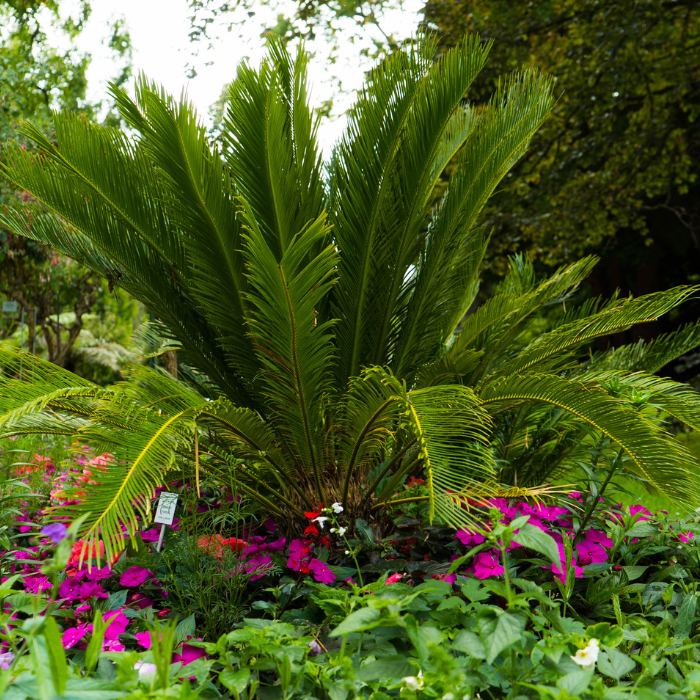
<point x="685" y="536"/>
<point x="188" y="654"/>
<point x="150" y="535"/>
<point x="258" y="566"/>
<point x="70" y="588"/>
<point x="144" y="639"/>
<point x="599" y="537"/>
<point x="469" y="538"/>
<point x="134" y="576"/>
<point x="640" y="509"/>
<point x="394" y="578"/>
<point x="560" y="571"/>
<point x="591" y="553"/>
<point x="73" y="635"/>
<point x="35" y="584"/>
<point x="91" y="589"/>
<point x="321" y="572"/>
<point x="486" y="565"/>
<point x="118" y="622"/>
<point x="449" y="578"/>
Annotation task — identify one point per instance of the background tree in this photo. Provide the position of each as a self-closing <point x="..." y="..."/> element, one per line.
<point x="36" y="78"/>
<point x="614" y="171"/>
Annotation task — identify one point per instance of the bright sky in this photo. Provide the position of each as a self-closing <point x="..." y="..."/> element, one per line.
<point x="159" y="31"/>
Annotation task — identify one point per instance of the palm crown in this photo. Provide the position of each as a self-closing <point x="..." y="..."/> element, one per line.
<point x="317" y="309"/>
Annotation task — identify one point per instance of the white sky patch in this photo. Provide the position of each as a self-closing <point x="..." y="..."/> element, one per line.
<point x="162" y="49"/>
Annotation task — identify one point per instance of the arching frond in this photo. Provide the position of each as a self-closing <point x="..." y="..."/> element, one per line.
<point x="294" y="351"/>
<point x="655" y="454"/>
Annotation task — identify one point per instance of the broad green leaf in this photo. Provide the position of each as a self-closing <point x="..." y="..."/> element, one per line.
<point x="576" y="682"/>
<point x="469" y="643"/>
<point x="363" y="619"/>
<point x="533" y="538"/>
<point x="507" y="631"/>
<point x="235" y="681"/>
<point x="615" y="664"/>
<point x="385" y="669"/>
<point x="683" y="623"/>
<point x="57" y="656"/>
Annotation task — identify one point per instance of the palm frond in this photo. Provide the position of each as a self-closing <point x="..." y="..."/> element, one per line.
<point x="295" y="352"/>
<point x="616" y="317"/>
<point x="655" y="454"/>
<point x="270" y="139"/>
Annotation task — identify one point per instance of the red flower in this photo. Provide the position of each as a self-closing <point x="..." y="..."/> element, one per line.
<point x="414" y="482"/>
<point x="216" y="544"/>
<point x="312" y="515"/>
<point x="311" y="530"/>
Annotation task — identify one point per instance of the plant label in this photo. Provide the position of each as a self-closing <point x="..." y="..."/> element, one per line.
<point x="165" y="513"/>
<point x="9" y="307"/>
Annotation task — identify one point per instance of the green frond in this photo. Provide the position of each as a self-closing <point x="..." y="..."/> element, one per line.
<point x="295" y="352"/>
<point x="650" y="356"/>
<point x="151" y="441"/>
<point x="495" y="324"/>
<point x="400" y="134"/>
<point x="270" y="139"/>
<point x="445" y="279"/>
<point x="655" y="454"/>
<point x="451" y="427"/>
<point x="617" y="317"/>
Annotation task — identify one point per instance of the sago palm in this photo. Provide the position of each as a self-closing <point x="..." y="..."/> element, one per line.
<point x="315" y="308"/>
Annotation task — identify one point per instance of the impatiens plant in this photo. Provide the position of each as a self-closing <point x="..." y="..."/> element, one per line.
<point x="317" y="309"/>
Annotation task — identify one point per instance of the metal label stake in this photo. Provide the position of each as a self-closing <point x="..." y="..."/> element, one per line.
<point x="165" y="514"/>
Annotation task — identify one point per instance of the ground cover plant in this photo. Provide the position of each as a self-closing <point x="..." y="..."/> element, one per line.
<point x="380" y="495"/>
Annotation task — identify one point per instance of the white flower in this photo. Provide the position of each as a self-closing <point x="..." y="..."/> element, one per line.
<point x="413" y="683"/>
<point x="320" y="520"/>
<point x="347" y="551"/>
<point x="337" y="508"/>
<point x="144" y="668"/>
<point x="342" y="531"/>
<point x="588" y="656"/>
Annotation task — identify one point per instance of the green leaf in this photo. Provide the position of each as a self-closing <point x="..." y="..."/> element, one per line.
<point x="185" y="628"/>
<point x="469" y="643"/>
<point x="508" y="630"/>
<point x="94" y="646"/>
<point x="385" y="669"/>
<point x="57" y="656"/>
<point x="683" y="624"/>
<point x="533" y="538"/>
<point x="615" y="664"/>
<point x="358" y="621"/>
<point x="576" y="682"/>
<point x="235" y="681"/>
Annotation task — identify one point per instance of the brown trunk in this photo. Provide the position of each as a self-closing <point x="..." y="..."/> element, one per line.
<point x="170" y="359"/>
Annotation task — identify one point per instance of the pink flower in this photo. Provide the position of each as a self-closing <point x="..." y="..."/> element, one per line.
<point x="144" y="639"/>
<point x="591" y="553"/>
<point x="70" y="588"/>
<point x="394" y="578"/>
<point x="449" y="578"/>
<point x="35" y="583"/>
<point x="321" y="572"/>
<point x="90" y="589"/>
<point x="685" y="536"/>
<point x="140" y="601"/>
<point x="469" y="538"/>
<point x="599" y="537"/>
<point x="188" y="654"/>
<point x="258" y="565"/>
<point x="640" y="509"/>
<point x="134" y="576"/>
<point x="486" y="565"/>
<point x="118" y="622"/>
<point x="73" y="635"/>
<point x="576" y="495"/>
<point x="150" y="535"/>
